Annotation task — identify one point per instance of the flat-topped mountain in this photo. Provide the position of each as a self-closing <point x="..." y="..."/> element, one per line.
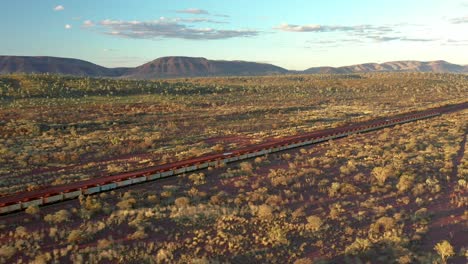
<point x="172" y="67"/>
<point x="66" y="66"/>
<point x="394" y="66"/>
<point x="189" y="66"/>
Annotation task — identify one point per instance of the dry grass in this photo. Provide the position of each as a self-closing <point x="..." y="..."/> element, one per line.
<point x="275" y="210"/>
<point x="55" y="130"/>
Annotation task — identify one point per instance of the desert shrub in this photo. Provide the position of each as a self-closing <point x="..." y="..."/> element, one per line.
<point x="341" y="188"/>
<point x="405" y="259"/>
<point x="152" y="198"/>
<point x="114" y="168"/>
<point x="139" y="234"/>
<point x="53" y="232"/>
<point x="126" y="204"/>
<point x="203" y="260"/>
<point x="383" y="227"/>
<point x="182" y="202"/>
<point x="42" y="258"/>
<point x="280" y="180"/>
<point x="274" y="200"/>
<point x="462" y="184"/>
<point x="279" y="177"/>
<point x="335" y="211"/>
<point x="166" y="193"/>
<point x="359" y="247"/>
<point x="278" y="236"/>
<point x="32" y="210"/>
<point x="265" y="212"/>
<point x="359" y="177"/>
<point x="345" y="170"/>
<point x="104" y="243"/>
<point x="303" y="261"/>
<point x="91" y="205"/>
<point x="334" y="188"/>
<point x="258" y="160"/>
<point x="218" y="198"/>
<point x="198" y="178"/>
<point x="314" y="223"/>
<point x="246" y="167"/>
<point x="348" y="188"/>
<point x="381" y="174"/>
<point x="59" y="217"/>
<point x="21" y="231"/>
<point x="348" y="168"/>
<point x="298" y="213"/>
<point x="7" y="251"/>
<point x="75" y="236"/>
<point x="421" y="215"/>
<point x="164" y="255"/>
<point x="445" y="250"/>
<point x="217" y="148"/>
<point x="418" y="189"/>
<point x="433" y="185"/>
<point x="405" y="182"/>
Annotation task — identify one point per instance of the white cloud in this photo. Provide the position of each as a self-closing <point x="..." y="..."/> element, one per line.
<point x="359" y="33"/>
<point x="88" y="23"/>
<point x="298" y="28"/>
<point x="68" y="26"/>
<point x="456" y="42"/>
<point x="460" y="20"/>
<point x="328" y="28"/>
<point x="169" y="28"/>
<point x="199" y="20"/>
<point x="193" y="11"/>
<point x="59" y="8"/>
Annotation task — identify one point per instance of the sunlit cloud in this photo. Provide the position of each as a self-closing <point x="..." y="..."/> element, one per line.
<point x="459" y="20"/>
<point x="357" y="33"/>
<point x="59" y="8"/>
<point x="88" y="23"/>
<point x="199" y="20"/>
<point x="169" y="28"/>
<point x="193" y="11"/>
<point x="330" y="28"/>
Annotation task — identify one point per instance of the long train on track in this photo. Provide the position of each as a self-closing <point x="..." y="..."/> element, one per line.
<point x="54" y="194"/>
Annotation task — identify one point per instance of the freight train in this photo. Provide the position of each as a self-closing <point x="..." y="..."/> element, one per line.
<point x="54" y="194"/>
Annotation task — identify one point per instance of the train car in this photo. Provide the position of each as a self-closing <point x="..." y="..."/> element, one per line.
<point x="35" y="202"/>
<point x="72" y="194"/>
<point x="53" y="198"/>
<point x="91" y="190"/>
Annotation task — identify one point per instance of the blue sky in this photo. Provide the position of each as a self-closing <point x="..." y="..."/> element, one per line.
<point x="295" y="34"/>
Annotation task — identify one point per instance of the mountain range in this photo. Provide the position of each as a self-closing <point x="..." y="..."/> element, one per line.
<point x="395" y="66"/>
<point x="172" y="67"/>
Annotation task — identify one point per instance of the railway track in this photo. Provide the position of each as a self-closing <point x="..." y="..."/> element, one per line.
<point x="54" y="194"/>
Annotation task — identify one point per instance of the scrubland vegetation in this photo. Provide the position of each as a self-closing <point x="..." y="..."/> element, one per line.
<point x="393" y="196"/>
<point x="56" y="129"/>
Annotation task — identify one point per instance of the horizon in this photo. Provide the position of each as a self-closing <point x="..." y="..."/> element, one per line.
<point x="294" y="36"/>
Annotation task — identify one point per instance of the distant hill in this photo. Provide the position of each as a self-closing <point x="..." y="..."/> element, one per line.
<point x="189" y="66"/>
<point x="25" y="64"/>
<point x="394" y="66"/>
<point x="160" y="68"/>
<point x="171" y="67"/>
